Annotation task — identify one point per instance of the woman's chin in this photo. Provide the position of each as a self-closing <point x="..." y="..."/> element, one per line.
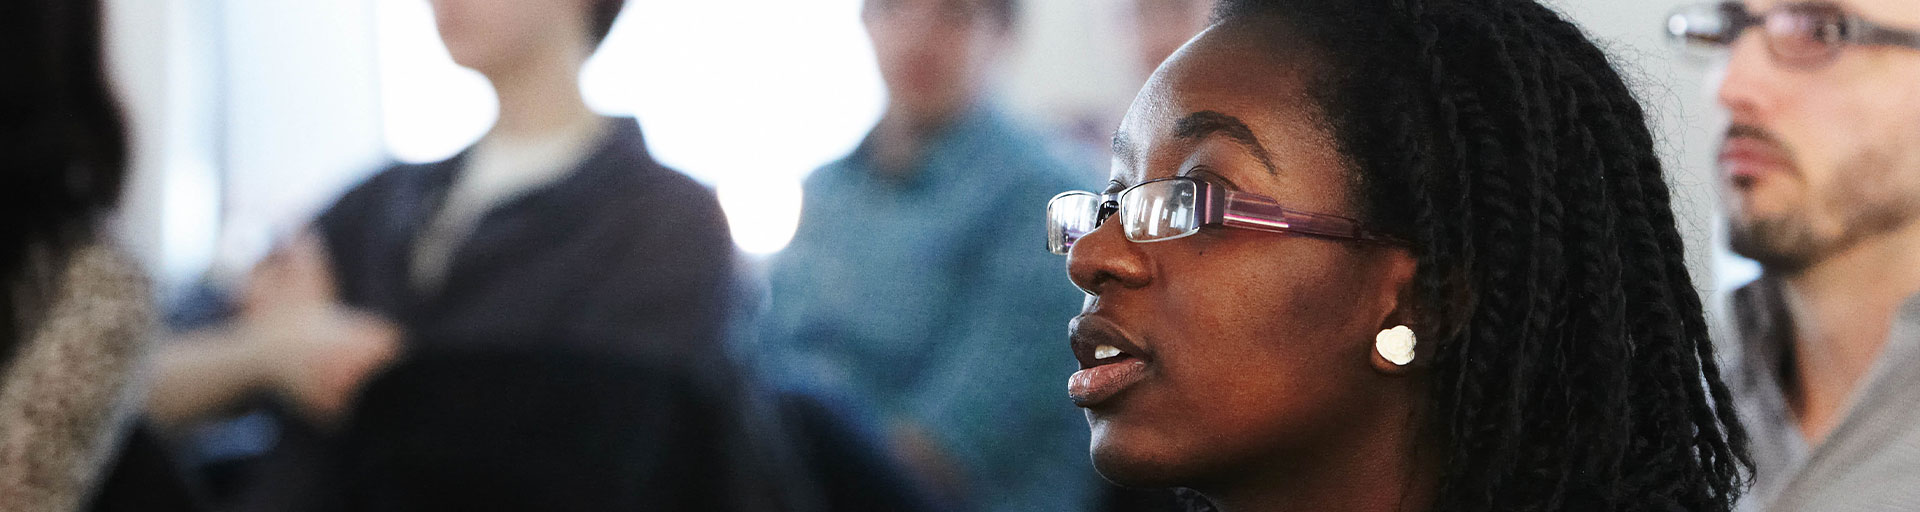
<point x="1133" y="466"/>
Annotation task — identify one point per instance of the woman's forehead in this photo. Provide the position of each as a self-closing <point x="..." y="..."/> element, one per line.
<point x="1234" y="95"/>
<point x="1224" y="73"/>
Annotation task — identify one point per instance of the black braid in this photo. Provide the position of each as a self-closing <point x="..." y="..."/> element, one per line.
<point x="1571" y="366"/>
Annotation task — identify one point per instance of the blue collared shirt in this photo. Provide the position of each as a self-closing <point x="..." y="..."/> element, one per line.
<point x="930" y="296"/>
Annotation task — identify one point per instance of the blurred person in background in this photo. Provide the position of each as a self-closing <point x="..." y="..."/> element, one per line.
<point x="913" y="284"/>
<point x="1820" y="165"/>
<point x="75" y="309"/>
<point x="556" y="228"/>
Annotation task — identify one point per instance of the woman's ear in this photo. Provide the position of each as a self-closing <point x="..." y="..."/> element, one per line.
<point x="1396" y="347"/>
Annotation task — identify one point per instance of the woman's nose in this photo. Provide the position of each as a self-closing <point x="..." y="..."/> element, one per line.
<point x="1104" y="258"/>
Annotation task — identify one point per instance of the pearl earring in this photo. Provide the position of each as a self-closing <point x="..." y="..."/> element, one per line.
<point x="1395" y="344"/>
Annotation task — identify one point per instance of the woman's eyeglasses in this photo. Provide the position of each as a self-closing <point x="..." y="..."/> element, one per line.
<point x="1169" y="208"/>
<point x="1803" y="35"/>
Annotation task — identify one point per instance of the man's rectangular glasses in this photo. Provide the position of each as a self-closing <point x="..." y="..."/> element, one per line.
<point x="1803" y="35"/>
<point x="1170" y="208"/>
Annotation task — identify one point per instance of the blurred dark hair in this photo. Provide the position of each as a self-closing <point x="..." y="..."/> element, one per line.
<point x="63" y="141"/>
<point x="1572" y="368"/>
<point x="600" y="16"/>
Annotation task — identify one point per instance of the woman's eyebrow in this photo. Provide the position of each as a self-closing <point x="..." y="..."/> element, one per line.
<point x="1207" y="123"/>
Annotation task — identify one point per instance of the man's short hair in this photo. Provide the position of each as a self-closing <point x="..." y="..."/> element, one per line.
<point x="600" y="16"/>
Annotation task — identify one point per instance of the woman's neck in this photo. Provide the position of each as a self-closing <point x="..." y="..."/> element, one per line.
<point x="540" y="97"/>
<point x="1371" y="469"/>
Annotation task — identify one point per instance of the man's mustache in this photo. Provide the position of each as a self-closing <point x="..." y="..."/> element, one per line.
<point x="1754" y="133"/>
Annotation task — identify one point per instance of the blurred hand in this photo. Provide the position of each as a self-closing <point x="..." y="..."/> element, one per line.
<point x="294" y="276"/>
<point x="930" y="463"/>
<point x="314" y="350"/>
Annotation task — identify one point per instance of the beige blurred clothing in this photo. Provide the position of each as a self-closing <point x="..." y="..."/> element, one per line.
<point x="68" y="391"/>
<point x="494" y="172"/>
<point x="1870" y="461"/>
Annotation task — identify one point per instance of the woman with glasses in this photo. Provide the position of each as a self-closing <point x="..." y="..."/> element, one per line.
<point x="1393" y="255"/>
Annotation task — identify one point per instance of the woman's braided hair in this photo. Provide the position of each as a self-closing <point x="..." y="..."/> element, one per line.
<point x="1571" y="367"/>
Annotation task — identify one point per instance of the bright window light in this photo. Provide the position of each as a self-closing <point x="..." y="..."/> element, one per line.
<point x="763" y="215"/>
<point x="430" y="108"/>
<point x="745" y="96"/>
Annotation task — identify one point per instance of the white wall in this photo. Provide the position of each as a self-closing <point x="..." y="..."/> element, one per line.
<point x="1072" y="66"/>
<point x="300" y="114"/>
<point x="245" y="115"/>
<point x="159" y="62"/>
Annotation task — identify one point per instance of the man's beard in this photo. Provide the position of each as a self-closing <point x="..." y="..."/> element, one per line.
<point x="1783" y="242"/>
<point x="1870" y="200"/>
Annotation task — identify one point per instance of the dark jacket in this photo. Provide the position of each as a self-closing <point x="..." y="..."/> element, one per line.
<point x="623" y="256"/>
<point x="548" y="430"/>
<point x="621" y="260"/>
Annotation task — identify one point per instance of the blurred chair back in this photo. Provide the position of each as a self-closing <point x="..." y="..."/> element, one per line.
<point x="548" y="430"/>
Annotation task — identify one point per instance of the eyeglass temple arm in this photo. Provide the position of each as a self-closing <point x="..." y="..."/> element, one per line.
<point x="1878" y="35"/>
<point x="1255" y="212"/>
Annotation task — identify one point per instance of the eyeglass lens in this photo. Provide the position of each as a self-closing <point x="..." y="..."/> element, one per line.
<point x="1806" y="33"/>
<point x="1801" y="34"/>
<point x="1149" y="212"/>
<point x="1160" y="210"/>
<point x="1069" y="217"/>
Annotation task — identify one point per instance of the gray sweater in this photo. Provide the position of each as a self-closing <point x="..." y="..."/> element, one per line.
<point x="1871" y="459"/>
<point x="68" y="388"/>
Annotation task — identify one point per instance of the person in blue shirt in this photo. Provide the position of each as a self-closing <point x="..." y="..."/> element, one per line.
<point x="913" y="286"/>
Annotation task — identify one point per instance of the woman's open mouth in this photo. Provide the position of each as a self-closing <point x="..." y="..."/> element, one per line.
<point x="1110" y="362"/>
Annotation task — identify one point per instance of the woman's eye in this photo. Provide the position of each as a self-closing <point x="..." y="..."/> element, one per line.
<point x="1206" y="174"/>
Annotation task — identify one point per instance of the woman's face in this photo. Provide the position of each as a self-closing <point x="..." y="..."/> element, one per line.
<point x="496" y="36"/>
<point x="1254" y="350"/>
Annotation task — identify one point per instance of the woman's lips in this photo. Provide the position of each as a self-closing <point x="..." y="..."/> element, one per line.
<point x="1110" y="361"/>
<point x="1091" y="386"/>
